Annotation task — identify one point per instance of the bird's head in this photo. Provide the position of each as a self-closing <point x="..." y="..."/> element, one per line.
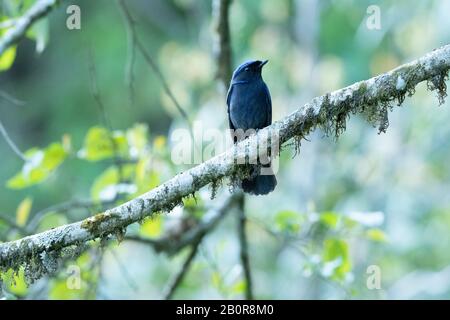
<point x="248" y="71"/>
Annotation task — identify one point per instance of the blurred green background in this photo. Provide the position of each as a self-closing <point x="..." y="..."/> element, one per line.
<point x="339" y="207"/>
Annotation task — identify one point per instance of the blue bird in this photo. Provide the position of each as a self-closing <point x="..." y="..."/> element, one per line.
<point x="250" y="107"/>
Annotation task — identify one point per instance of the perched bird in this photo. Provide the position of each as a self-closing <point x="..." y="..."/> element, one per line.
<point x="250" y="107"/>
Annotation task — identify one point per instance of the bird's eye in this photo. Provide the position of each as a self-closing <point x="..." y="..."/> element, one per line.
<point x="246" y="69"/>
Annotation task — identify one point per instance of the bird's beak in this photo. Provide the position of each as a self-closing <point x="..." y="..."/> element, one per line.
<point x="263" y="63"/>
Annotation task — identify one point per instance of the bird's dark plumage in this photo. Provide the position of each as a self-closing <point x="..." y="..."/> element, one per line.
<point x="250" y="107"/>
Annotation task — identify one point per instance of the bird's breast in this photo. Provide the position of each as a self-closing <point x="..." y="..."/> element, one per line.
<point x="248" y="106"/>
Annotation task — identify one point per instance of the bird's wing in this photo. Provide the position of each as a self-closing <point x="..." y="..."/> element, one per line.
<point x="269" y="106"/>
<point x="230" y="90"/>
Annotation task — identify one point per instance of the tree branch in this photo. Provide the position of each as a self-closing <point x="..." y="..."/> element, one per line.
<point x="372" y="98"/>
<point x="176" y="281"/>
<point x="14" y="34"/>
<point x="174" y="243"/>
<point x="64" y="207"/>
<point x="223" y="53"/>
<point x="131" y="48"/>
<point x="222" y="43"/>
<point x="193" y="237"/>
<point x="243" y="244"/>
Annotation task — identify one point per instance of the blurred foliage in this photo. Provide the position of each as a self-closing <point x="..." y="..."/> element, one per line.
<point x="38" y="166"/>
<point x="339" y="208"/>
<point x="23" y="211"/>
<point x="7" y="58"/>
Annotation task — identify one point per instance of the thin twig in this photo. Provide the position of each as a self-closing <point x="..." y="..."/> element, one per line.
<point x="243" y="244"/>
<point x="222" y="43"/>
<point x="131" y="49"/>
<point x="11" y="223"/>
<point x="174" y="244"/>
<point x="6" y="96"/>
<point x="130" y="281"/>
<point x="157" y="244"/>
<point x="148" y="58"/>
<point x="11" y="144"/>
<point x="96" y="262"/>
<point x="176" y="281"/>
<point x="163" y="81"/>
<point x="96" y="93"/>
<point x="105" y="119"/>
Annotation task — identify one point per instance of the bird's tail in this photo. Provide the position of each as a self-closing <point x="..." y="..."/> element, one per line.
<point x="260" y="184"/>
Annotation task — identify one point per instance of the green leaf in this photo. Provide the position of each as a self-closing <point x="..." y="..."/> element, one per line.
<point x="54" y="155"/>
<point x="7" y="58"/>
<point x="83" y="259"/>
<point x="160" y="143"/>
<point x="100" y="144"/>
<point x="19" y="182"/>
<point x="39" y="32"/>
<point x="39" y="165"/>
<point x="152" y="227"/>
<point x="377" y="235"/>
<point x="23" y="211"/>
<point x="52" y="220"/>
<point x="146" y="178"/>
<point x="349" y="223"/>
<point x="336" y="254"/>
<point x="194" y="206"/>
<point x="3" y="227"/>
<point x="79" y="272"/>
<point x="288" y="221"/>
<point x="216" y="280"/>
<point x="60" y="291"/>
<point x="109" y="179"/>
<point x="239" y="287"/>
<point x="330" y="219"/>
<point x="15" y="282"/>
<point x="120" y="143"/>
<point x="137" y="139"/>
